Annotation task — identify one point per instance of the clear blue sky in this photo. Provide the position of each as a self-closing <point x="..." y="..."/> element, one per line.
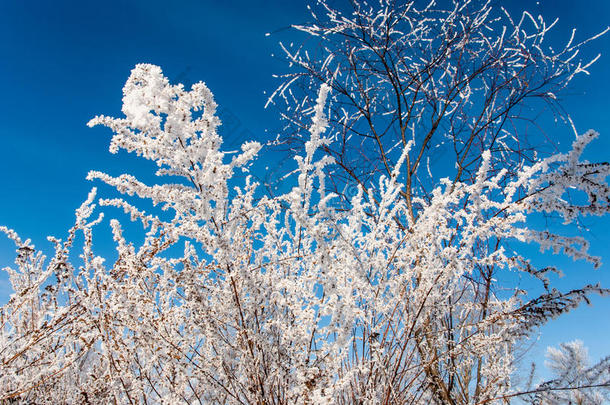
<point x="62" y="62"/>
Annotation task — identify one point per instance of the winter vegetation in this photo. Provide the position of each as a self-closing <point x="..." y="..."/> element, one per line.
<point x="379" y="276"/>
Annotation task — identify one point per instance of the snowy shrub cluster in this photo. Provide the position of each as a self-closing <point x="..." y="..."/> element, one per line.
<point x="237" y="297"/>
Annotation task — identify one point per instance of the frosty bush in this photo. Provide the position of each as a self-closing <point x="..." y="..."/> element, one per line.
<point x="388" y="296"/>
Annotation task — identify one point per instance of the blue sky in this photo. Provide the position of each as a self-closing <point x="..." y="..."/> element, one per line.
<point x="62" y="62"/>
